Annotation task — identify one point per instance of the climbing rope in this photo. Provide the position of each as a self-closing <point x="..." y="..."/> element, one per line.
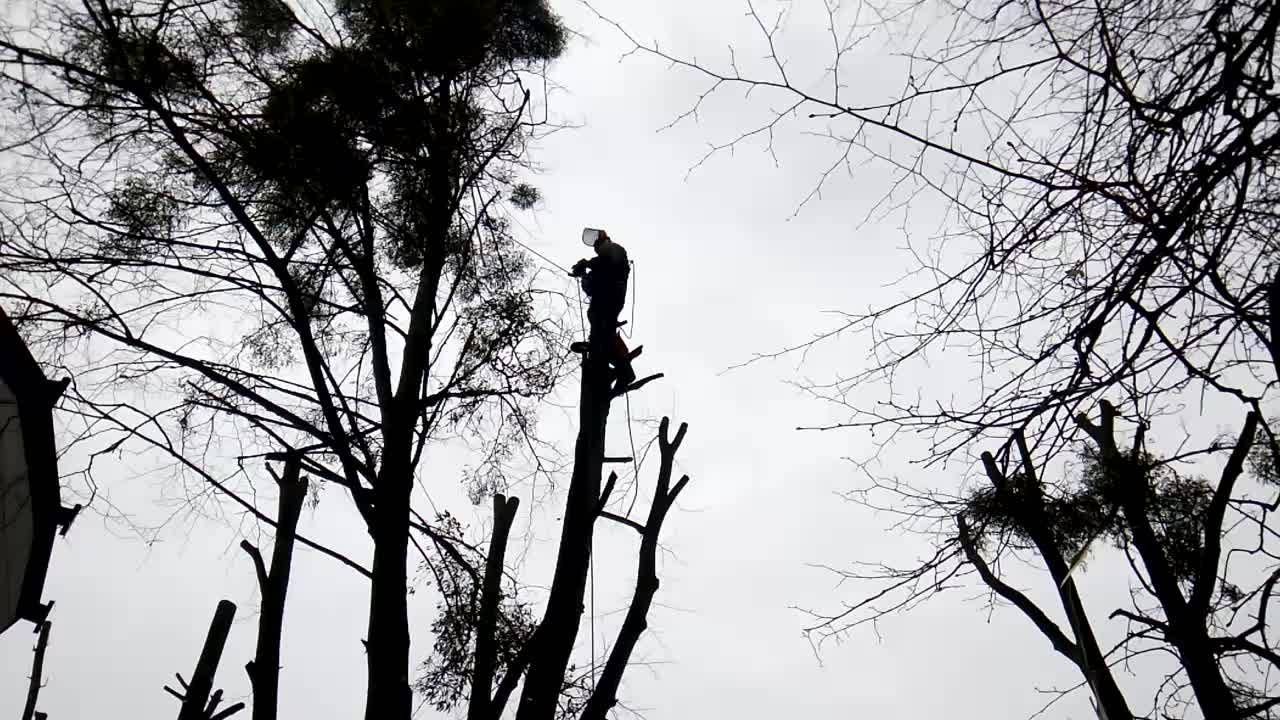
<point x="581" y="318"/>
<point x="550" y="263"/>
<point x="591" y="567"/>
<point x="631" y="324"/>
<point x="635" y="461"/>
<point x="591" y="551"/>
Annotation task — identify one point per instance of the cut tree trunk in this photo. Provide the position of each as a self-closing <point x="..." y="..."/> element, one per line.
<point x="264" y="669"/>
<point x="37" y="672"/>
<point x="559" y="628"/>
<point x="504" y="515"/>
<point x="196" y="700"/>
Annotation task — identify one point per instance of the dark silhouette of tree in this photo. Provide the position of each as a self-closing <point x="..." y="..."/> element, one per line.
<point x="257" y="234"/>
<point x="487" y="641"/>
<point x="273" y="586"/>
<point x="29" y="711"/>
<point x="249" y="230"/>
<point x="1195" y="548"/>
<point x="1109" y="170"/>
<point x="200" y="701"/>
<point x="481" y="633"/>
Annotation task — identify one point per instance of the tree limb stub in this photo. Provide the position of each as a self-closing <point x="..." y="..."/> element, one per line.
<point x="634" y="624"/>
<point x="504" y="515"/>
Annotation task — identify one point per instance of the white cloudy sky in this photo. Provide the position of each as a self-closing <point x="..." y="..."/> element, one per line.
<point x="725" y="268"/>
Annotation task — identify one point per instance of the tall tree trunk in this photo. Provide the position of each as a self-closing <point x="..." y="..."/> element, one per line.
<point x="264" y="669"/>
<point x="559" y="627"/>
<point x="1204" y="673"/>
<point x="388" y="696"/>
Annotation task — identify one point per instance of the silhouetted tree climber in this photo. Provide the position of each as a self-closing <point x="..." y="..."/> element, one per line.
<point x="604" y="280"/>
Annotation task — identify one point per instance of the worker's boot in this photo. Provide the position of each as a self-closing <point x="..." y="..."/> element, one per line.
<point x="578" y="347"/>
<point x="623" y="377"/>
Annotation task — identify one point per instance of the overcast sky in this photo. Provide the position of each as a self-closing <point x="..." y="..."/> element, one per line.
<point x="724" y="268"/>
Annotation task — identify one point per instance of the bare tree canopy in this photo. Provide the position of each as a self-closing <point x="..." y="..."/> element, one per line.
<point x="1108" y="172"/>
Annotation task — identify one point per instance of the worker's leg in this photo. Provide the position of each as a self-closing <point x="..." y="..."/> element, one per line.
<point x="602" y="317"/>
<point x="604" y="340"/>
<point x="622" y="363"/>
